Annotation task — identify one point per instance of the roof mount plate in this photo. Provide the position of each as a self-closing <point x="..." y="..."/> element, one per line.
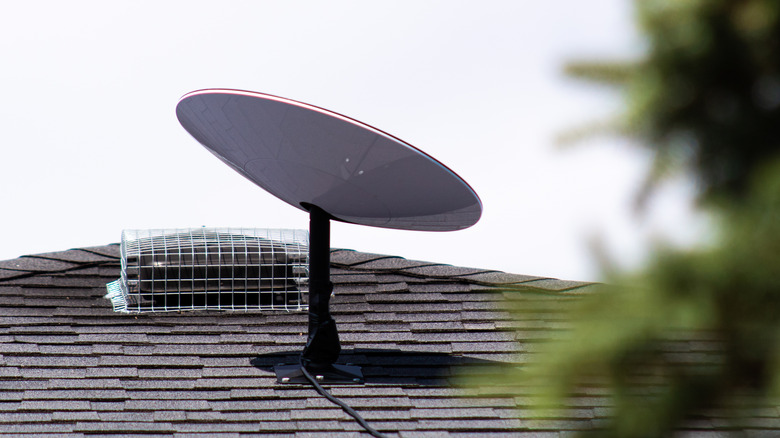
<point x="334" y="374"/>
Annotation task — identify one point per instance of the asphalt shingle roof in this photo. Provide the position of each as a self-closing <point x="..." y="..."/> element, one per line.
<point x="70" y="365"/>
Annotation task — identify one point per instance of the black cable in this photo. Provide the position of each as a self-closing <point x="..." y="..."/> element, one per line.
<point x="341" y="404"/>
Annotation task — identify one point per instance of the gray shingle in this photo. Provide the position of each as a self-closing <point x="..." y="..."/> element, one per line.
<point x="20" y="385"/>
<point x="400" y="308"/>
<point x="54" y="405"/>
<point x="84" y="383"/>
<point x="111" y="372"/>
<point x="166" y="405"/>
<point x="556" y="285"/>
<point x="408" y="298"/>
<point x="126" y="416"/>
<point x="204" y="349"/>
<point x="499" y="278"/>
<point x="389" y="264"/>
<point x="396" y="286"/>
<point x="377" y="337"/>
<point x="255" y="406"/>
<point x="445" y="289"/>
<point x="348" y="257"/>
<point x="158" y="384"/>
<point x="453" y="413"/>
<point x="10" y="274"/>
<point x="52" y="361"/>
<point x="133" y="360"/>
<point x="177" y="394"/>
<point x="131" y="427"/>
<point x="426" y="434"/>
<point x="169" y="373"/>
<point x="13" y="347"/>
<point x="47" y="339"/>
<point x="113" y="406"/>
<point x="38" y="428"/>
<point x="353" y="278"/>
<point x="442" y="271"/>
<point x="79" y="256"/>
<point x="73" y="416"/>
<point x="48" y="373"/>
<point x="23" y="322"/>
<point x="110" y="251"/>
<point x="75" y="394"/>
<point x="168" y="415"/>
<point x="310" y="434"/>
<point x="227" y="383"/>
<point x="64" y="349"/>
<point x="231" y="372"/>
<point x="36" y="264"/>
<point x="317" y="413"/>
<point x="112" y="338"/>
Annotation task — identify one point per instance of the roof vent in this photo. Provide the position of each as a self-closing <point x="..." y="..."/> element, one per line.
<point x="211" y="269"/>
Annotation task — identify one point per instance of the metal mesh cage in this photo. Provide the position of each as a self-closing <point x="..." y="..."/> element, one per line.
<point x="215" y="269"/>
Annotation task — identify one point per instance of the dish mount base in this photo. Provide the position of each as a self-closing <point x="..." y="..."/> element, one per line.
<point x="335" y="374"/>
<point x="322" y="347"/>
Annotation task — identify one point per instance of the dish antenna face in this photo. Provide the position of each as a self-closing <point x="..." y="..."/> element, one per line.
<point x="333" y="167"/>
<point x="306" y="155"/>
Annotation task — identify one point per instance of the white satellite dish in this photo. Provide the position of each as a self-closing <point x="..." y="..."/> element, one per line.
<point x="333" y="167"/>
<point x="307" y="155"/>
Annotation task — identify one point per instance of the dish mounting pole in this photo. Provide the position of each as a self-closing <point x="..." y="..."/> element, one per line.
<point x="322" y="345"/>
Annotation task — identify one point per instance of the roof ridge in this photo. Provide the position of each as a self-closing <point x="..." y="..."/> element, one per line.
<point x="24" y="273"/>
<point x="523" y="283"/>
<point x="364" y="263"/>
<point x="51" y="255"/>
<point x="31" y="265"/>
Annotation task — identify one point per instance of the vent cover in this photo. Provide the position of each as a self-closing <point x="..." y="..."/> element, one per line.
<point x="211" y="269"/>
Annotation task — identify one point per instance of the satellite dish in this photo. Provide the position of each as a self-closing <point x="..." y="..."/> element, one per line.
<point x="333" y="167"/>
<point x="306" y="155"/>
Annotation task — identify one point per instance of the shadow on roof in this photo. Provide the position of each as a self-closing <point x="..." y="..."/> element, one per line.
<point x="384" y="366"/>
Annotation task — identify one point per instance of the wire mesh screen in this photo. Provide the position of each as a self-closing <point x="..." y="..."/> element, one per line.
<point x="215" y="269"/>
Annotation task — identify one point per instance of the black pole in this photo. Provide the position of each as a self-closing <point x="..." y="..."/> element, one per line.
<point x="322" y="347"/>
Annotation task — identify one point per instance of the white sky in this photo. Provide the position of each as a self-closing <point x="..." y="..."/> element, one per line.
<point x="91" y="144"/>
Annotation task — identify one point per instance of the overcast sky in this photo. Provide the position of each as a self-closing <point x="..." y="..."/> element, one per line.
<point x="91" y="144"/>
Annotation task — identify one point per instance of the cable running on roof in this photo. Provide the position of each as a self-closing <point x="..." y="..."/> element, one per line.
<point x="345" y="407"/>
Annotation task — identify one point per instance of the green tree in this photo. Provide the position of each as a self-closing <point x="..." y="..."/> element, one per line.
<point x="706" y="97"/>
<point x="706" y="100"/>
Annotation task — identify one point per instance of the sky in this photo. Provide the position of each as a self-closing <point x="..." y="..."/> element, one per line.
<point x="91" y="144"/>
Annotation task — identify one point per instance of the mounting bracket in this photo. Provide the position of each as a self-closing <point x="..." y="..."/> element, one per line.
<point x="322" y="345"/>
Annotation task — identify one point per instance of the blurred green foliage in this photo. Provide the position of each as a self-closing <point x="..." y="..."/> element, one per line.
<point x="694" y="331"/>
<point x="706" y="97"/>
